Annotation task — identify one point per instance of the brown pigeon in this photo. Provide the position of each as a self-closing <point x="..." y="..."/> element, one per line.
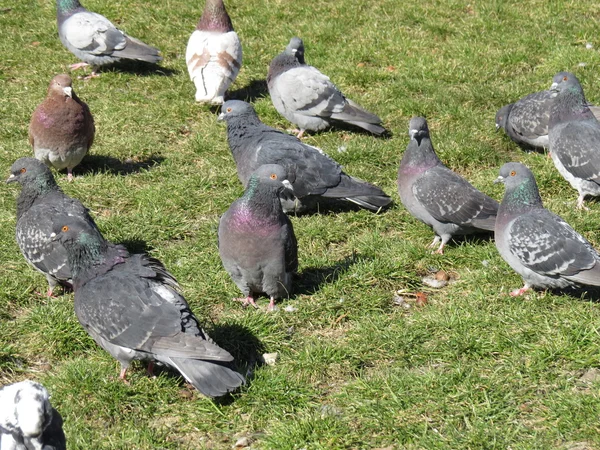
<point x="62" y="128"/>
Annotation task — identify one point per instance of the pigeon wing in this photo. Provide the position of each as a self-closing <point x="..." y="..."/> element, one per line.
<point x="450" y="198"/>
<point x="546" y="244"/>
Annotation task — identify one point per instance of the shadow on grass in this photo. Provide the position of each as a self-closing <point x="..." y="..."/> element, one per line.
<point x="312" y="278"/>
<point x="136" y="246"/>
<point x="140" y="68"/>
<point x="327" y="206"/>
<point x="95" y="164"/>
<point x="253" y="91"/>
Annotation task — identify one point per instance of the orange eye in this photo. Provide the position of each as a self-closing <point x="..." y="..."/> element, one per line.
<point x="273" y="176"/>
<point x="512" y="173"/>
<point x="228" y="110"/>
<point x="65" y="229"/>
<point x="23" y="170"/>
<point x="565" y="78"/>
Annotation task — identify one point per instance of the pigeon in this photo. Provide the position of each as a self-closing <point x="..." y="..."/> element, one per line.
<point x="539" y="245"/>
<point x="313" y="175"/>
<point x="436" y="195"/>
<point x="62" y="129"/>
<point x="214" y="54"/>
<point x="39" y="202"/>
<point x="95" y="40"/>
<point x="132" y="307"/>
<point x="257" y="244"/>
<point x="27" y="419"/>
<point x="308" y="98"/>
<point x="574" y="135"/>
<point x="526" y="120"/>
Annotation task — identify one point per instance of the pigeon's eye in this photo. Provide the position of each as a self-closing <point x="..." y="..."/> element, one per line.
<point x="65" y="228"/>
<point x="228" y="110"/>
<point x="512" y="173"/>
<point x="565" y="78"/>
<point x="273" y="176"/>
<point x="23" y="170"/>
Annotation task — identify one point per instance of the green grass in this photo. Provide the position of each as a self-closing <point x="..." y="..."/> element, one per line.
<point x="473" y="368"/>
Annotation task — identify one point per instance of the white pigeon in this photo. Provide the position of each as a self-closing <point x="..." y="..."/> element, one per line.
<point x="213" y="54"/>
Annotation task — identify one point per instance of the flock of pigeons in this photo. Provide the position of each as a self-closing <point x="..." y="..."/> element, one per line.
<point x="133" y="307"/>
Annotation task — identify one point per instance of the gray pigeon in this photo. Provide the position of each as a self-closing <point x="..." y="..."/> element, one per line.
<point x="27" y="419"/>
<point x="132" y="307"/>
<point x="213" y="54"/>
<point x="257" y="244"/>
<point x="62" y="129"/>
<point x="39" y="202"/>
<point x="313" y="175"/>
<point x="574" y="137"/>
<point x="95" y="40"/>
<point x="308" y="99"/>
<point x="539" y="245"/>
<point x="526" y="120"/>
<point x="437" y="196"/>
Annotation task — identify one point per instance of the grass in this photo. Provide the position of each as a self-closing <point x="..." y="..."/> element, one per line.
<point x="473" y="368"/>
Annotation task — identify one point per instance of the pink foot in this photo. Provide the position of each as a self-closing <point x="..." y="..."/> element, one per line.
<point x="246" y="301"/>
<point x="122" y="376"/>
<point x="518" y="292"/>
<point x="78" y="65"/>
<point x="150" y="369"/>
<point x="271" y="306"/>
<point x="94" y="74"/>
<point x="69" y="175"/>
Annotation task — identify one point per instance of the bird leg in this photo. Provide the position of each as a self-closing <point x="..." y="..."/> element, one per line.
<point x="249" y="300"/>
<point x="518" y="292"/>
<point x="78" y="65"/>
<point x="436" y="239"/>
<point x="150" y="369"/>
<point x="122" y="375"/>
<point x="580" y="204"/>
<point x="69" y="174"/>
<point x="271" y="306"/>
<point x="94" y="74"/>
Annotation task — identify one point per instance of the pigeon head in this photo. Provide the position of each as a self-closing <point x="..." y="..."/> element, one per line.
<point x="502" y="116"/>
<point x="271" y="175"/>
<point x="296" y="48"/>
<point x="521" y="188"/>
<point x="417" y="128"/>
<point x="236" y="109"/>
<point x="30" y="170"/>
<point x="68" y="229"/>
<point x="61" y="85"/>
<point x="563" y="81"/>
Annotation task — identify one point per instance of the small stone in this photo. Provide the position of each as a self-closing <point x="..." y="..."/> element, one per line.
<point x="582" y="64"/>
<point x="442" y="276"/>
<point x="433" y="282"/>
<point x="342" y="149"/>
<point x="485" y="263"/>
<point x="270" y="358"/>
<point x="589" y="46"/>
<point x="590" y="376"/>
<point x="290" y="308"/>
<point x="242" y="442"/>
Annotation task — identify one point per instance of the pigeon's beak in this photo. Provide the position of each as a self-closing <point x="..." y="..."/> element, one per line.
<point x="287" y="185"/>
<point x="412" y="133"/>
<point x="11" y="178"/>
<point x="68" y="91"/>
<point x="497" y="127"/>
<point x="221" y="117"/>
<point x="500" y="179"/>
<point x="554" y="87"/>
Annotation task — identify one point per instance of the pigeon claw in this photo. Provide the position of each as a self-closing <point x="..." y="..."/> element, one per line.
<point x="246" y="301"/>
<point x="271" y="306"/>
<point x="580" y="204"/>
<point x="519" y="292"/>
<point x="79" y="65"/>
